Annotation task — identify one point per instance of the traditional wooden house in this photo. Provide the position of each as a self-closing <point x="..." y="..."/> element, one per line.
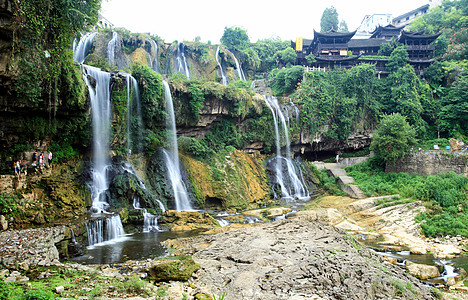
<point x="338" y="50"/>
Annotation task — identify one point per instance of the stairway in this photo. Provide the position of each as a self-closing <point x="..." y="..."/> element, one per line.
<point x="344" y="181"/>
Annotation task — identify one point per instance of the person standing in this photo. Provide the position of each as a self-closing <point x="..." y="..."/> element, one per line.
<point x="34" y="158"/>
<point x="18" y="168"/>
<point x="41" y="159"/>
<point x="50" y="158"/>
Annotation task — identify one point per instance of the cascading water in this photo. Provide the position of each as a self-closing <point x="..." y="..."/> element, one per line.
<point x="181" y="65"/>
<point x="150" y="221"/>
<point x="112" y="46"/>
<point x="171" y="157"/>
<point x="239" y="70"/>
<point x="223" y="77"/>
<point x="134" y="116"/>
<point x="154" y="61"/>
<point x="101" y="119"/>
<point x="80" y="50"/>
<point x="285" y="172"/>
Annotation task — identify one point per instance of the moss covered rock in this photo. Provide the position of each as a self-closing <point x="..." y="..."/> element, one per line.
<point x="236" y="181"/>
<point x="188" y="220"/>
<point x="180" y="268"/>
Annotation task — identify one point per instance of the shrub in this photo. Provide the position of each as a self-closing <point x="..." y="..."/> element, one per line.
<point x="194" y="147"/>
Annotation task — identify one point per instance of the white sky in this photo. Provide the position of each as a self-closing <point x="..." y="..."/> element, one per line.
<point x="185" y="19"/>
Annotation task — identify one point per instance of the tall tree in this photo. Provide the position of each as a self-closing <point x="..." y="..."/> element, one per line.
<point x="329" y="19"/>
<point x="235" y="38"/>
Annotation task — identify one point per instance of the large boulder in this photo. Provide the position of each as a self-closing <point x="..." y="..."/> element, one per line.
<point x="188" y="220"/>
<point x="179" y="269"/>
<point x="422" y="271"/>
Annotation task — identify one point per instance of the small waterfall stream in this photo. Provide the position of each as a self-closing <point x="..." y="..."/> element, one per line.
<point x="134" y="116"/>
<point x="181" y="65"/>
<point x="112" y="46"/>
<point x="239" y="70"/>
<point x="290" y="182"/>
<point x="81" y="50"/>
<point x="171" y="157"/>
<point x="154" y="61"/>
<point x="101" y="119"/>
<point x="223" y="77"/>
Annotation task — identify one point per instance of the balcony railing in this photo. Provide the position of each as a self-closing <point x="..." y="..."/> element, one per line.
<point x="333" y="47"/>
<point x="420" y="47"/>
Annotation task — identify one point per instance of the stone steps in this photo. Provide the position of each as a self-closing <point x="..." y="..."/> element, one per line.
<point x="344" y="181"/>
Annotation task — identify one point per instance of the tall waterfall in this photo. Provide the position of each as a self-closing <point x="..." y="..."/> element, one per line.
<point x="134" y="116"/>
<point x="171" y="157"/>
<point x="80" y="50"/>
<point x="223" y="77"/>
<point x="239" y="70"/>
<point x="154" y="61"/>
<point x="101" y="119"/>
<point x="181" y="65"/>
<point x="112" y="46"/>
<point x="290" y="182"/>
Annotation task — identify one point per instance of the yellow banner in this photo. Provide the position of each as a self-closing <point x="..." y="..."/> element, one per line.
<point x="299" y="41"/>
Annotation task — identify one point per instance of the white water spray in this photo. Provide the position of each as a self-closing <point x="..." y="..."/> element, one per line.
<point x="239" y="70"/>
<point x="101" y="119"/>
<point x="80" y="50"/>
<point x="154" y="61"/>
<point x="285" y="172"/>
<point x="182" y="61"/>
<point x="171" y="157"/>
<point x="223" y="77"/>
<point x="112" y="46"/>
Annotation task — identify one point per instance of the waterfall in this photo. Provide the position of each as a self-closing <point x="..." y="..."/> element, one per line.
<point x="171" y="157"/>
<point x="101" y="119"/>
<point x="285" y="171"/>
<point x="182" y="61"/>
<point x="104" y="229"/>
<point x="113" y="44"/>
<point x="240" y="73"/>
<point x="80" y="50"/>
<point x="224" y="79"/>
<point x="154" y="61"/>
<point x="134" y="116"/>
<point x="150" y="221"/>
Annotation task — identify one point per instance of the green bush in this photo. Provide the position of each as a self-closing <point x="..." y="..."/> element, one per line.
<point x="194" y="147"/>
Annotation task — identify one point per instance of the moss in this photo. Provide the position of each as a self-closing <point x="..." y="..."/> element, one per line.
<point x="235" y="179"/>
<point x="179" y="268"/>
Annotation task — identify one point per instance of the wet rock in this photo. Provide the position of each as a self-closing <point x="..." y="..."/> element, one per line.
<point x="422" y="271"/>
<point x="180" y="269"/>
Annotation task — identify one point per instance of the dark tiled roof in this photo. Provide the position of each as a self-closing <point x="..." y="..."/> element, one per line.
<point x="360" y="43"/>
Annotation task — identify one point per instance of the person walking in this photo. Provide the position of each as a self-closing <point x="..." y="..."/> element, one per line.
<point x="50" y="158"/>
<point x="18" y="168"/>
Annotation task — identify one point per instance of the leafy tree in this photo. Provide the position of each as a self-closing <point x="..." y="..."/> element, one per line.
<point x="329" y="19"/>
<point x="455" y="106"/>
<point x="343" y="26"/>
<point x="386" y="49"/>
<point x="287" y="56"/>
<point x="267" y="52"/>
<point x="393" y="138"/>
<point x="235" y="38"/>
<point x="398" y="58"/>
<point x="285" y="80"/>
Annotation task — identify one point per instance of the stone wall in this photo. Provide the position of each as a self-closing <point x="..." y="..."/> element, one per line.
<point x="431" y="163"/>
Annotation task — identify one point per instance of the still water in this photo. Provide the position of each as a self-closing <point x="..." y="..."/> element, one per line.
<point x="137" y="246"/>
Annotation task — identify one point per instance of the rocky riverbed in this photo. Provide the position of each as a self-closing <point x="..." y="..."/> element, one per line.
<point x="286" y="259"/>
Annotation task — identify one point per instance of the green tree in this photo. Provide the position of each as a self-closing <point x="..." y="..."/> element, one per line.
<point x="235" y="38"/>
<point x="386" y="49"/>
<point x="287" y="56"/>
<point x="393" y="138"/>
<point x="454" y="112"/>
<point x="285" y="80"/>
<point x="398" y="58"/>
<point x="343" y="26"/>
<point x="329" y="19"/>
